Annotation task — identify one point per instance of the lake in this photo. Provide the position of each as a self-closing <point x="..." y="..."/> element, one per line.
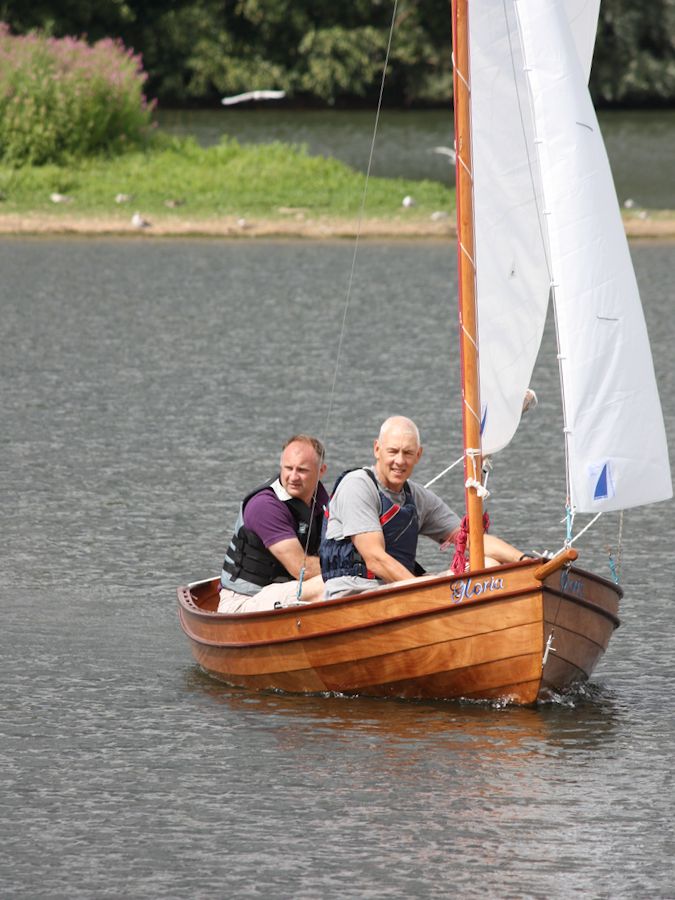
<point x="146" y="386"/>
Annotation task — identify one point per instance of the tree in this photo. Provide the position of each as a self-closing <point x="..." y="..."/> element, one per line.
<point x="320" y="51"/>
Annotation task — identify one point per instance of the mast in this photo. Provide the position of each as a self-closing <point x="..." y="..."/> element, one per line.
<point x="468" y="330"/>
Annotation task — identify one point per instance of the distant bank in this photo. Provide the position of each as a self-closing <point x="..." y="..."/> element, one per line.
<point x="177" y="188"/>
<point x="293" y="224"/>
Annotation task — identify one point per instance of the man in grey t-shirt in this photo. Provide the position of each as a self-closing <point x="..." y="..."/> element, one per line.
<point x="378" y="512"/>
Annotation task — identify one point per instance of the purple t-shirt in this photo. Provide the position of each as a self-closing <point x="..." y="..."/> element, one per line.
<point x="272" y="520"/>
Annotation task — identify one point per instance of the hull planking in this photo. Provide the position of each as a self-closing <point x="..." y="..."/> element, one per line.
<point x="497" y="634"/>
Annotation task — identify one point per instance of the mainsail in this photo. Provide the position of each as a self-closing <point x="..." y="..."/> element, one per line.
<point x="548" y="222"/>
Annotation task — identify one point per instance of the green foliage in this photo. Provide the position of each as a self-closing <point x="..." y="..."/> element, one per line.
<point x="337" y="61"/>
<point x="635" y="52"/>
<point x="228" y="179"/>
<point x="62" y="98"/>
<point x="320" y="51"/>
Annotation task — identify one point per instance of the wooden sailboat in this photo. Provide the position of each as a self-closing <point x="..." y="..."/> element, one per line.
<point x="523" y="631"/>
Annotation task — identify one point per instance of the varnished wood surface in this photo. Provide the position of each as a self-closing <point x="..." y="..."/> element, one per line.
<point x="468" y="319"/>
<point x="558" y="561"/>
<point x="429" y="638"/>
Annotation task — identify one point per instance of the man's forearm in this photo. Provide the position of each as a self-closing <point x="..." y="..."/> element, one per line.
<point x="500" y="550"/>
<point x="387" y="568"/>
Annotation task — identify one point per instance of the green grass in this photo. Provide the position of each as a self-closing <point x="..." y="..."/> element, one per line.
<point x="228" y="179"/>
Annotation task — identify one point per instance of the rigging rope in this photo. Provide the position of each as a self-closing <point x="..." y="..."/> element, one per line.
<point x="613" y="562"/>
<point x="568" y="543"/>
<point x="350" y="282"/>
<point x="359" y="223"/>
<point x="444" y="472"/>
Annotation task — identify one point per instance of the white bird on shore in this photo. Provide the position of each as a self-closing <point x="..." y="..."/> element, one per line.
<point x="59" y="198"/>
<point x="138" y="221"/>
<point x="253" y="95"/>
<point x="408" y="201"/>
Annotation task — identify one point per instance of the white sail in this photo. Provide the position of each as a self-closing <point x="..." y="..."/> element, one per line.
<point x="615" y="434"/>
<point x="512" y="277"/>
<point x="582" y="16"/>
<point x="513" y="274"/>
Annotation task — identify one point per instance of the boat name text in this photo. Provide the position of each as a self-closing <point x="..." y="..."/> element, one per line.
<point x="467" y="590"/>
<point x="571" y="585"/>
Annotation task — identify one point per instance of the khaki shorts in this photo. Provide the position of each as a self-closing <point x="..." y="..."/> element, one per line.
<point x="285" y="594"/>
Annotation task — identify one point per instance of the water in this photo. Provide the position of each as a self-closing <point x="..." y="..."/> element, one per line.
<point x="146" y="386"/>
<point x="639" y="142"/>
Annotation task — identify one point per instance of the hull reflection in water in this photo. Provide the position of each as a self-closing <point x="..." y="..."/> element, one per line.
<point x="518" y="633"/>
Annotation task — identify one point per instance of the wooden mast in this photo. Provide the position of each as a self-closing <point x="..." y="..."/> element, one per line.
<point x="468" y="335"/>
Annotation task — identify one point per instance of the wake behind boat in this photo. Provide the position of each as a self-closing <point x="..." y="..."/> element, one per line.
<point x="537" y="220"/>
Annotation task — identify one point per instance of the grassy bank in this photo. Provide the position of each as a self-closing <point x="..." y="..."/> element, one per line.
<point x="231" y="189"/>
<point x="178" y="179"/>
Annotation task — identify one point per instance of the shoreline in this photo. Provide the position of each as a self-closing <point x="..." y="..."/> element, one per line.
<point x="653" y="225"/>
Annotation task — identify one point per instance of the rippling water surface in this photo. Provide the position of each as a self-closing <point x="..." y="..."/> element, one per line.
<point x="146" y="386"/>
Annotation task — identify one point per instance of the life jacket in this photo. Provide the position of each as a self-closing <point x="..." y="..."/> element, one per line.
<point x="248" y="560"/>
<point x="400" y="527"/>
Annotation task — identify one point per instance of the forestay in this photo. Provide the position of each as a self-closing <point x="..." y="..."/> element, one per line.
<point x="547" y="216"/>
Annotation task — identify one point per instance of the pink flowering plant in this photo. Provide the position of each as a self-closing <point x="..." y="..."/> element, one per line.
<point x="61" y="98"/>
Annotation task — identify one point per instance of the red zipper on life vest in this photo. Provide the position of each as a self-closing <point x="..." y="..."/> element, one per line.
<point x="390" y="513"/>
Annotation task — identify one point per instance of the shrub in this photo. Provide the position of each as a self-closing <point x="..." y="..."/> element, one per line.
<point x="61" y="98"/>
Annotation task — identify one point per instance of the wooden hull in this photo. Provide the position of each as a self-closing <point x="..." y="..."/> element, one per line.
<point x="498" y="634"/>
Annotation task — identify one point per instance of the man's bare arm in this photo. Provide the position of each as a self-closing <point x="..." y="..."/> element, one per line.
<point x="499" y="550"/>
<point x="370" y="545"/>
<point x="291" y="555"/>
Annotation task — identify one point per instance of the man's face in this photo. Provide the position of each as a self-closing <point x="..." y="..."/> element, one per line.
<point x="396" y="455"/>
<point x="300" y="470"/>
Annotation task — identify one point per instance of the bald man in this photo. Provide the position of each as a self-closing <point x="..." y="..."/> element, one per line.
<point x="376" y="515"/>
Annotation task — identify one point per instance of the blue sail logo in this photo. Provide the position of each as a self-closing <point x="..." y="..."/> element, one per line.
<point x="602" y="481"/>
<point x="600" y="492"/>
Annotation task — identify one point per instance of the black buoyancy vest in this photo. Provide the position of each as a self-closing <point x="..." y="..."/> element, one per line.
<point x="400" y="527"/>
<point x="248" y="559"/>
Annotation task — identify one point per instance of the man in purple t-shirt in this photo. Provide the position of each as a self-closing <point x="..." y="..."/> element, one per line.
<point x="277" y="534"/>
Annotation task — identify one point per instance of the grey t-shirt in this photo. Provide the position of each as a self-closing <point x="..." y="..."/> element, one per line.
<point x="355" y="509"/>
